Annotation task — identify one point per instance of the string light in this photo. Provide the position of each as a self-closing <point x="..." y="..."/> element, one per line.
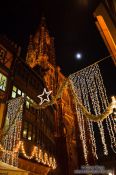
<point x="12" y="135"/>
<point x="39" y="156"/>
<point x="94" y="93"/>
<point x="81" y="122"/>
<point x="85" y="98"/>
<point x="88" y="84"/>
<point x="104" y="100"/>
<point x="36" y="153"/>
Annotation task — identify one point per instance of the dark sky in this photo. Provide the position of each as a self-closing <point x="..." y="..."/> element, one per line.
<point x="69" y="21"/>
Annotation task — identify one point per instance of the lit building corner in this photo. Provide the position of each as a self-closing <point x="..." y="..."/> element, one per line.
<point x="105" y="15"/>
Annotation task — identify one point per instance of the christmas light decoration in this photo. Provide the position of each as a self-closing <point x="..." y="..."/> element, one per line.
<point x="104" y="100"/>
<point x="89" y="115"/>
<point x="42" y="96"/>
<point x="12" y="136"/>
<point x="36" y="154"/>
<point x="11" y="145"/>
<point x="88" y="89"/>
<point x="89" y="96"/>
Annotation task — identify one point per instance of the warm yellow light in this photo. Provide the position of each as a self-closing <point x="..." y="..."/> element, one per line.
<point x="110" y="173"/>
<point x="113" y="98"/>
<point x="29" y="138"/>
<point x="113" y="101"/>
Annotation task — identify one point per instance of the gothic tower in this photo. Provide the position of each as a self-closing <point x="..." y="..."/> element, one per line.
<point x="41" y="47"/>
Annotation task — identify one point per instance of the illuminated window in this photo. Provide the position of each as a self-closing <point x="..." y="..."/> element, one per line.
<point x="14" y="92"/>
<point x="3" y="81"/>
<point x="25" y="127"/>
<point x="27" y="102"/>
<point x="19" y="92"/>
<point x="14" y="89"/>
<point x="30" y="132"/>
<point x="23" y="94"/>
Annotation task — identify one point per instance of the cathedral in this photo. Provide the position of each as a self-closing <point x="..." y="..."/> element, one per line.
<point x="47" y="139"/>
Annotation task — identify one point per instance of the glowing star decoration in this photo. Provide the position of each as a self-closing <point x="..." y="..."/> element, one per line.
<point x="42" y="96"/>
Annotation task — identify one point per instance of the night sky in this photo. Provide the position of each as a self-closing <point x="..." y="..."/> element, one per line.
<point x="72" y="25"/>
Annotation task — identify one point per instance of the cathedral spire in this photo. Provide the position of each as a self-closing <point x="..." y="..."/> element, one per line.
<point x="41" y="47"/>
<point x="41" y="37"/>
<point x="30" y="58"/>
<point x="43" y="21"/>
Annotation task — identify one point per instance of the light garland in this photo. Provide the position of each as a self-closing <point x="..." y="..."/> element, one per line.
<point x="94" y="93"/>
<point x="12" y="135"/>
<point x="79" y="89"/>
<point x="36" y="154"/>
<point x="85" y="96"/>
<point x="104" y="100"/>
<point x="54" y="98"/>
<point x="92" y="117"/>
<point x="87" y="84"/>
<point x="81" y="123"/>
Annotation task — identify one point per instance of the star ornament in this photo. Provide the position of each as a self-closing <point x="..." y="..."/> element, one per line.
<point x="42" y="98"/>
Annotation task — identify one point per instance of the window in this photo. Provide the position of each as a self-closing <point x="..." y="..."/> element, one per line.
<point x="19" y="92"/>
<point x="27" y="102"/>
<point x="16" y="92"/>
<point x="22" y="94"/>
<point x="30" y="132"/>
<point x="3" y="80"/>
<point x="25" y="128"/>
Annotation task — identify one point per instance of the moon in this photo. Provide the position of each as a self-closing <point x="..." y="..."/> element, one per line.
<point x="78" y="56"/>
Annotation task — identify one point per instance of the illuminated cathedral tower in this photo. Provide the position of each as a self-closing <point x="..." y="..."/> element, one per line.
<point x="41" y="47"/>
<point x="41" y="53"/>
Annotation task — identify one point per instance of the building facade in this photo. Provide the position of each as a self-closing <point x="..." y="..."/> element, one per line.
<point x="17" y="79"/>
